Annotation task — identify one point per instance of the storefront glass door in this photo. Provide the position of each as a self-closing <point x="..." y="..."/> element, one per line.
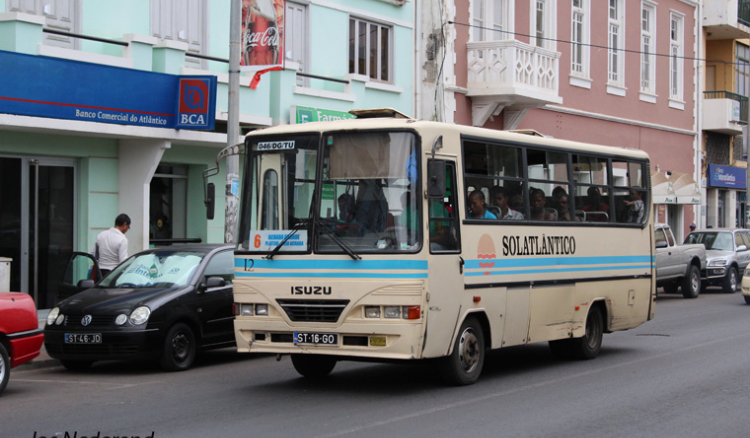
<point x="37" y="220"/>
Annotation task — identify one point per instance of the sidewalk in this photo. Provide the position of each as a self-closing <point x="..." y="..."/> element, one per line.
<point x="43" y="360"/>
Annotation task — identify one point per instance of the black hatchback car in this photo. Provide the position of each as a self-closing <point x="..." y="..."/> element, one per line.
<point x="163" y="304"/>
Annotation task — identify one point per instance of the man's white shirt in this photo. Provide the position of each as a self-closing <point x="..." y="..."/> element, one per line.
<point x="113" y="248"/>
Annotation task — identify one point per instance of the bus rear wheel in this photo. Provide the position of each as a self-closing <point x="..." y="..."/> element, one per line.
<point x="465" y="363"/>
<point x="313" y="366"/>
<point x="588" y="346"/>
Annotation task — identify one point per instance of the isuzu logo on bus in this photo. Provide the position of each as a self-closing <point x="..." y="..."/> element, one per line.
<point x="311" y="290"/>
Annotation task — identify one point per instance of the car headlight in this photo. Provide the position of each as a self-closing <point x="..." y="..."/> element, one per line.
<point x="121" y="319"/>
<point x="717" y="262"/>
<point x="52" y="315"/>
<point x="140" y="315"/>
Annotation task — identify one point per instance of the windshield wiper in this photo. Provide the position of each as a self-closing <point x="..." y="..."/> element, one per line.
<point x="289" y="236"/>
<point x="347" y="249"/>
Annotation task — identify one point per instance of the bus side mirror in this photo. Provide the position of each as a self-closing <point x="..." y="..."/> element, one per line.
<point x="210" y="200"/>
<point x="436" y="179"/>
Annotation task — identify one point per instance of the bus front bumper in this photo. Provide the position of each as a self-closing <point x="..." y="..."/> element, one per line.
<point x="382" y="340"/>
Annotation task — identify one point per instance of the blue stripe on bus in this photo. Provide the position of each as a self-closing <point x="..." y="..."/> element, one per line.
<point x="333" y="265"/>
<point x="557" y="271"/>
<point x="558" y="261"/>
<point x="287" y="274"/>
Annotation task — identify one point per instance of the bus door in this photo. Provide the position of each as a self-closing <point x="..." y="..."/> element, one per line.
<point x="446" y="281"/>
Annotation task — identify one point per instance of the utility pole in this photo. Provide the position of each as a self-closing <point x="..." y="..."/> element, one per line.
<point x="231" y="212"/>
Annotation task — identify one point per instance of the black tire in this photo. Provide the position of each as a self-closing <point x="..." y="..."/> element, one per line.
<point x="464" y="365"/>
<point x="691" y="284"/>
<point x="747" y="299"/>
<point x="77" y="365"/>
<point x="313" y="366"/>
<point x="179" y="349"/>
<point x="588" y="346"/>
<point x="729" y="283"/>
<point x="671" y="287"/>
<point x="4" y="368"/>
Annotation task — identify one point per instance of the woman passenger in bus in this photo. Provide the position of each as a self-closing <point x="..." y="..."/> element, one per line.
<point x="563" y="209"/>
<point x="477" y="206"/>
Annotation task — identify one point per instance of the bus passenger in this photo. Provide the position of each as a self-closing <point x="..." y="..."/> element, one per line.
<point x="636" y="208"/>
<point x="595" y="210"/>
<point x="500" y="198"/>
<point x="477" y="207"/>
<point x="563" y="208"/>
<point x="537" y="200"/>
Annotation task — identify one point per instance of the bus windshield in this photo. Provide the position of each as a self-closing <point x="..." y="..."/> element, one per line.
<point x="365" y="200"/>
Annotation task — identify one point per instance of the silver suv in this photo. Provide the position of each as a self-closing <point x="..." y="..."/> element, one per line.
<point x="727" y="255"/>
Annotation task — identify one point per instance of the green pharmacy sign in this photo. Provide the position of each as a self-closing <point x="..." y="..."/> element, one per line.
<point x="304" y="114"/>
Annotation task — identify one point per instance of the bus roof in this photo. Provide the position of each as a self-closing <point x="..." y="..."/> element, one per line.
<point x="446" y="128"/>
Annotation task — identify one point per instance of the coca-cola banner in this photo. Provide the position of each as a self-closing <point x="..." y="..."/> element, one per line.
<point x="262" y="34"/>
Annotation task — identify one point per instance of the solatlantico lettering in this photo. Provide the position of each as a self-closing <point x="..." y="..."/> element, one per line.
<point x="536" y="245"/>
<point x="311" y="290"/>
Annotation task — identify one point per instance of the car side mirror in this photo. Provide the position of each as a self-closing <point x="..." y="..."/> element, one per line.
<point x="742" y="248"/>
<point x="212" y="282"/>
<point x="661" y="244"/>
<point x="85" y="284"/>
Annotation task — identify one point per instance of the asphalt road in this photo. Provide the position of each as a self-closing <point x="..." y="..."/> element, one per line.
<point x="684" y="374"/>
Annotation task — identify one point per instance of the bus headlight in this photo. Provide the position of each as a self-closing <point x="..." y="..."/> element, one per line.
<point x="261" y="309"/>
<point x="392" y="311"/>
<point x="242" y="309"/>
<point x="372" y="312"/>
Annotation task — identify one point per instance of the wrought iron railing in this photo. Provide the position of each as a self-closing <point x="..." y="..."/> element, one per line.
<point x="743" y="100"/>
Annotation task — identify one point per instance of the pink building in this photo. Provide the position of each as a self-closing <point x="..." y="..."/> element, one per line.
<point x="612" y="72"/>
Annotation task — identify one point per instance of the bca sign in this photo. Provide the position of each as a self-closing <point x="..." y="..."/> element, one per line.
<point x="196" y="102"/>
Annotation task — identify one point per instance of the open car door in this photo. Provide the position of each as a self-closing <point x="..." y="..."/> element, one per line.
<point x="81" y="266"/>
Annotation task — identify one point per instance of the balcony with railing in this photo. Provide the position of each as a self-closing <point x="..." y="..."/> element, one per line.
<point x="726" y="19"/>
<point x="724" y="112"/>
<point x="510" y="75"/>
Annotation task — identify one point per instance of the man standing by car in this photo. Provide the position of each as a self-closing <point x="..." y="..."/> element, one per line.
<point x="111" y="246"/>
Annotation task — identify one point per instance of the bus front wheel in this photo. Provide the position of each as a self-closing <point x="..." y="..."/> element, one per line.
<point x="313" y="366"/>
<point x="465" y="363"/>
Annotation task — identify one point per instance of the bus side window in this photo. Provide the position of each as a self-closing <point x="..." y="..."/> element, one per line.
<point x="443" y="216"/>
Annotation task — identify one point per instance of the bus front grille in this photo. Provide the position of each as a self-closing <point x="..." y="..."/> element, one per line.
<point x="313" y="310"/>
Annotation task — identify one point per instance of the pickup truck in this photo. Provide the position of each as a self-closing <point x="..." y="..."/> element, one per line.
<point x="678" y="265"/>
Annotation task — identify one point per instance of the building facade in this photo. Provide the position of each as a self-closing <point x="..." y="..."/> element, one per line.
<point x="615" y="72"/>
<point x="70" y="159"/>
<point x="726" y="85"/>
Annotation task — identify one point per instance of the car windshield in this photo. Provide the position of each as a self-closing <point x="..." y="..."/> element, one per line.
<point x="155" y="269"/>
<point x="717" y="240"/>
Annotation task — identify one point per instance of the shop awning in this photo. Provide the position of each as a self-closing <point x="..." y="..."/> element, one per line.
<point x="674" y="188"/>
